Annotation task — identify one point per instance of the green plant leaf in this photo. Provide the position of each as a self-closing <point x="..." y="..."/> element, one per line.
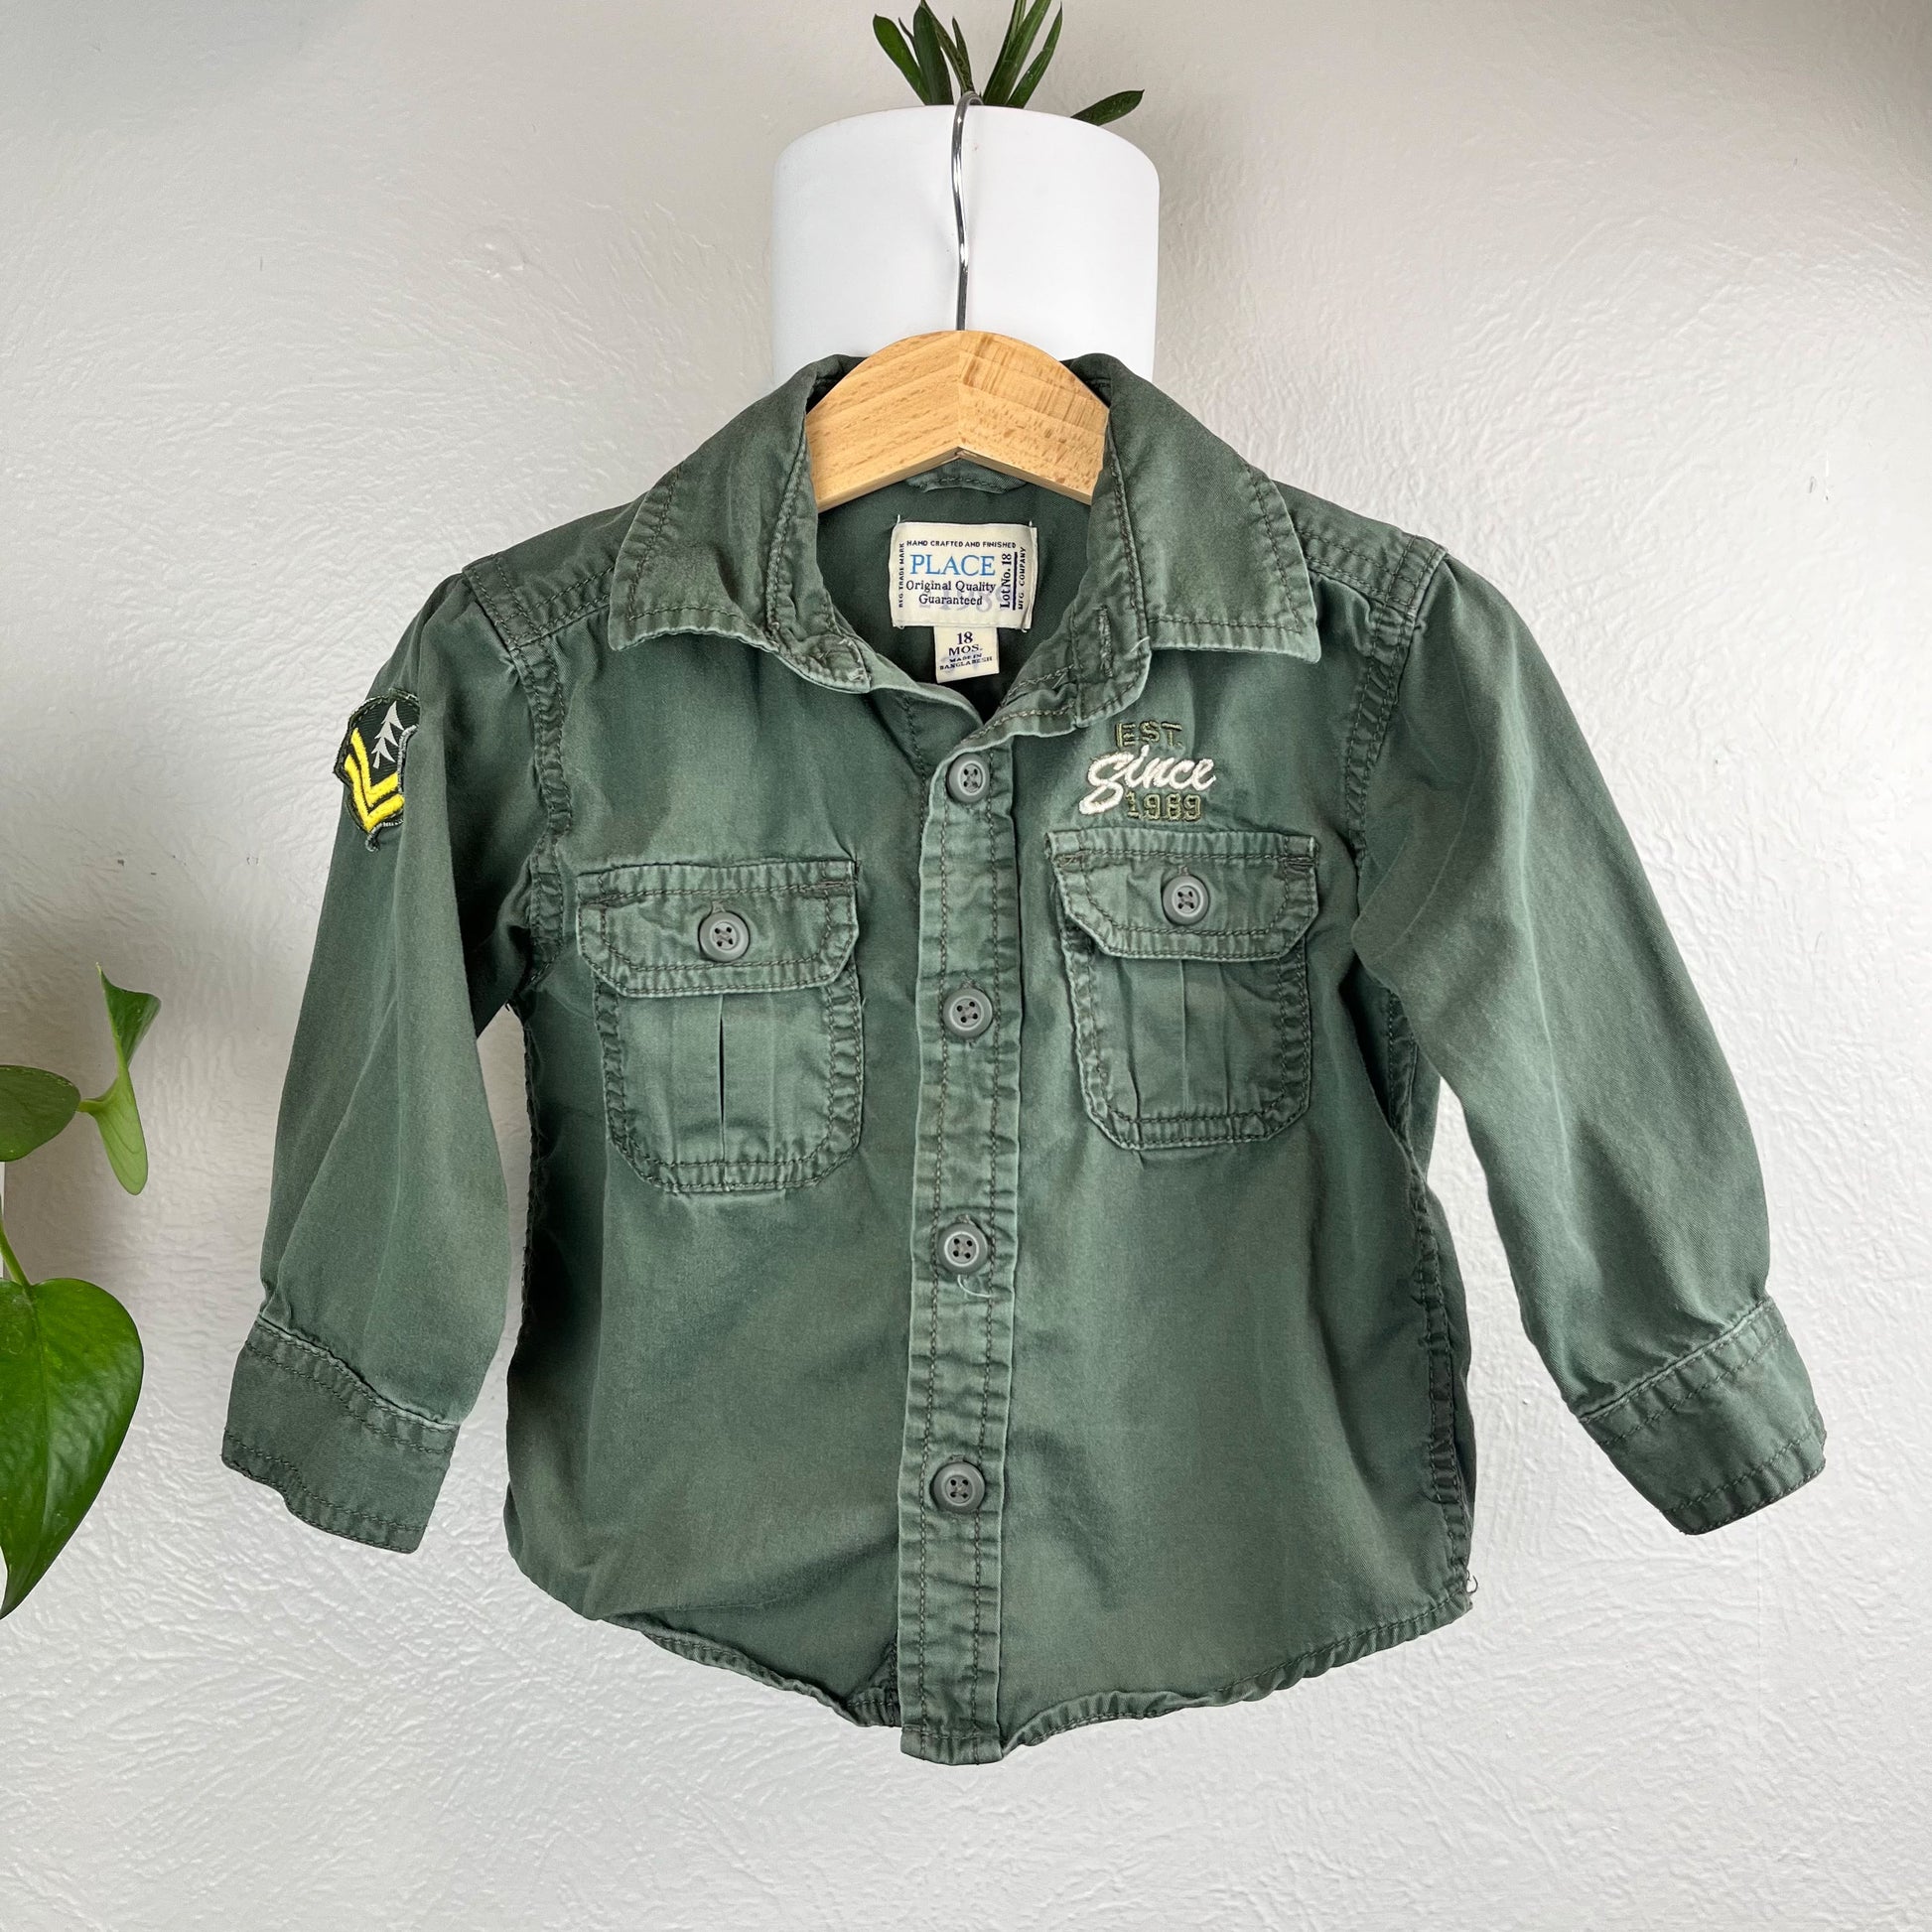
<point x="1112" y="107"/>
<point x="1024" y="91"/>
<point x="34" y="1107"/>
<point x="995" y="71"/>
<point x="69" y="1377"/>
<point x="928" y="48"/>
<point x="115" y="1113"/>
<point x="893" y="40"/>
<point x="1021" y="30"/>
<point x="962" y="62"/>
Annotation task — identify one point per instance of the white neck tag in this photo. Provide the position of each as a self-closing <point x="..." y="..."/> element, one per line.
<point x="964" y="653"/>
<point x="968" y="581"/>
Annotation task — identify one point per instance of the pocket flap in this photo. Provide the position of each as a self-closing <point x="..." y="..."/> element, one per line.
<point x="637" y="925"/>
<point x="1260" y="890"/>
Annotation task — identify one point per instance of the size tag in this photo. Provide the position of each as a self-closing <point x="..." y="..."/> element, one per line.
<point x="964" y="653"/>
<point x="963" y="576"/>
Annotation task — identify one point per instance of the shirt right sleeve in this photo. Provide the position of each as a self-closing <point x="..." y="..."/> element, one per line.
<point x="1505" y="906"/>
<point x="387" y="1257"/>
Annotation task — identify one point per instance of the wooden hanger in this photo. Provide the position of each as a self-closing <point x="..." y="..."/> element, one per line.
<point x="925" y="399"/>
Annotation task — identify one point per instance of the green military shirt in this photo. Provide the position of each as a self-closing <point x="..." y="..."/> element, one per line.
<point x="981" y="1271"/>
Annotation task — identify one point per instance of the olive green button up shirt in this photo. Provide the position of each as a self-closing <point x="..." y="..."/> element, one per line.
<point x="981" y="1270"/>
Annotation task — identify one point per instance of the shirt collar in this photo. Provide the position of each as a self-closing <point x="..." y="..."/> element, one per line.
<point x="1188" y="547"/>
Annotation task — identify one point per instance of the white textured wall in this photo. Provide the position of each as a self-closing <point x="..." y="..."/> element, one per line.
<point x="1630" y="302"/>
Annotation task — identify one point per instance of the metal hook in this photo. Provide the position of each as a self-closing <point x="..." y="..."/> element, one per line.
<point x="966" y="101"/>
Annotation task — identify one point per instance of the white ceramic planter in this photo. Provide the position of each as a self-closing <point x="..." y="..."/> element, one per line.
<point x="1062" y="223"/>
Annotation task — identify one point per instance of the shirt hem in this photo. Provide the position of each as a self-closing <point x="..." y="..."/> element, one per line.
<point x="878" y="1707"/>
<point x="1105" y="1705"/>
<point x="874" y="1706"/>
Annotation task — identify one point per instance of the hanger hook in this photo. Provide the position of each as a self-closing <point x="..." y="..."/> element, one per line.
<point x="967" y="100"/>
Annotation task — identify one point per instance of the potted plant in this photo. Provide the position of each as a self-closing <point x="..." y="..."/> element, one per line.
<point x="930" y="58"/>
<point x="70" y="1353"/>
<point x="1063" y="213"/>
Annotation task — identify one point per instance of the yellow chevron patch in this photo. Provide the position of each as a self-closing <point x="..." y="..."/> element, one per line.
<point x="371" y="762"/>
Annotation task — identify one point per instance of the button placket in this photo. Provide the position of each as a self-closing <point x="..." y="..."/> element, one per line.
<point x="966" y="1181"/>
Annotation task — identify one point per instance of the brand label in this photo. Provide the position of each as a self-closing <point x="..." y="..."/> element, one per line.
<point x="962" y="576"/>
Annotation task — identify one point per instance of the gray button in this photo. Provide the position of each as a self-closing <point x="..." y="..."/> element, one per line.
<point x="1184" y="898"/>
<point x="967" y="1011"/>
<point x="723" y="936"/>
<point x="962" y="1247"/>
<point x="967" y="779"/>
<point x="959" y="1486"/>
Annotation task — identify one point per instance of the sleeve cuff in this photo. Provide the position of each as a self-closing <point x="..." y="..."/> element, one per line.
<point x="344" y="1458"/>
<point x="1722" y="1431"/>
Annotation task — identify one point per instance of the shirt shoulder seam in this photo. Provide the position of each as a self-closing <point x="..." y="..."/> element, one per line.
<point x="1398" y="616"/>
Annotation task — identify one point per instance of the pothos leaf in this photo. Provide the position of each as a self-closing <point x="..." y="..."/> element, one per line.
<point x="34" y="1106"/>
<point x="115" y="1113"/>
<point x="69" y="1377"/>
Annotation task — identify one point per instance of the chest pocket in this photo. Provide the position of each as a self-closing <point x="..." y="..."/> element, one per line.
<point x="726" y="1001"/>
<point x="1187" y="967"/>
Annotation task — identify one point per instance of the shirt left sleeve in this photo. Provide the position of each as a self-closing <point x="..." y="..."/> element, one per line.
<point x="1505" y="906"/>
<point x="387" y="1257"/>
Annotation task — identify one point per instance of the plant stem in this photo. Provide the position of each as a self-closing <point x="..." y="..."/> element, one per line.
<point x="15" y="1272"/>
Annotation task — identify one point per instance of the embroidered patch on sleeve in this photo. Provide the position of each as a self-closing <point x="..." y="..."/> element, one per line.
<point x="371" y="762"/>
